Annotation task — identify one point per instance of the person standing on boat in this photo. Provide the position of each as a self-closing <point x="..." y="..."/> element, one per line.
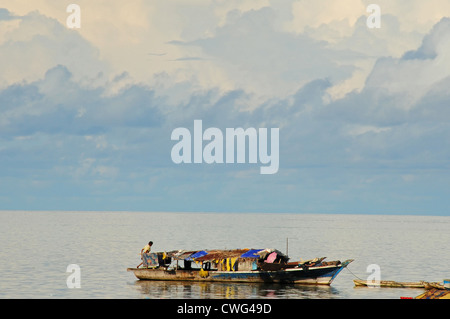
<point x="145" y="250"/>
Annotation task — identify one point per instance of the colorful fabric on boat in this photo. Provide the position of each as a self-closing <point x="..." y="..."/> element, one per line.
<point x="271" y="257"/>
<point x="150" y="260"/>
<point x="230" y="264"/>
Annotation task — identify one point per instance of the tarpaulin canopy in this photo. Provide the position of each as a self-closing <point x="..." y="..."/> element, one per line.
<point x="219" y="254"/>
<point x="252" y="253"/>
<point x="197" y="255"/>
<point x="222" y="254"/>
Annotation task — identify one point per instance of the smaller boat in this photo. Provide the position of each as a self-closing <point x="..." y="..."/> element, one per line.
<point x="389" y="284"/>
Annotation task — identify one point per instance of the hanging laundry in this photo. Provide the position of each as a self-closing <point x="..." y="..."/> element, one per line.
<point x="271" y="258"/>
<point x="150" y="260"/>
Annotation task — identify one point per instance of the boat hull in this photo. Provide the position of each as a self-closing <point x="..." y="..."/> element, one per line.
<point x="323" y="275"/>
<point x="389" y="284"/>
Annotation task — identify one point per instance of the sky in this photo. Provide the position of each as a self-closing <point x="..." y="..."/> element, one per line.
<point x="87" y="114"/>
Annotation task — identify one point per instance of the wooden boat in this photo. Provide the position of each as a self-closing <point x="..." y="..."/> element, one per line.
<point x="389" y="284"/>
<point x="434" y="285"/>
<point x="434" y="293"/>
<point x="436" y="290"/>
<point x="239" y="265"/>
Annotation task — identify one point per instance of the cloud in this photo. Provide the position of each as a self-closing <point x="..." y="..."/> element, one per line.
<point x="395" y="87"/>
<point x="398" y="119"/>
<point x="362" y="121"/>
<point x="5" y="15"/>
<point x="252" y="52"/>
<point x="59" y="104"/>
<point x="434" y="43"/>
<point x="38" y="43"/>
<point x="193" y="58"/>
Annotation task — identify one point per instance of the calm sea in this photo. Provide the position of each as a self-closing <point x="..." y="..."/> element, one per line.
<point x="37" y="248"/>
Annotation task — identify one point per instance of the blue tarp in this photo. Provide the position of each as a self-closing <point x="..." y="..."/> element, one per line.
<point x="197" y="255"/>
<point x="252" y="253"/>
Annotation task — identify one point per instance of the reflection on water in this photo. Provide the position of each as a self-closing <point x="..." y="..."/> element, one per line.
<point x="210" y="290"/>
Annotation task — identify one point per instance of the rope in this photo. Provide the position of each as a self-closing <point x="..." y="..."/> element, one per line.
<point x="353" y="273"/>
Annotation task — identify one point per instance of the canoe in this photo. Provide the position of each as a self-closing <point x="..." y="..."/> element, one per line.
<point x="389" y="284"/>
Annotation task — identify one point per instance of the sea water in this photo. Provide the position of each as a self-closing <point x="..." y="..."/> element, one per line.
<point x="38" y="246"/>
